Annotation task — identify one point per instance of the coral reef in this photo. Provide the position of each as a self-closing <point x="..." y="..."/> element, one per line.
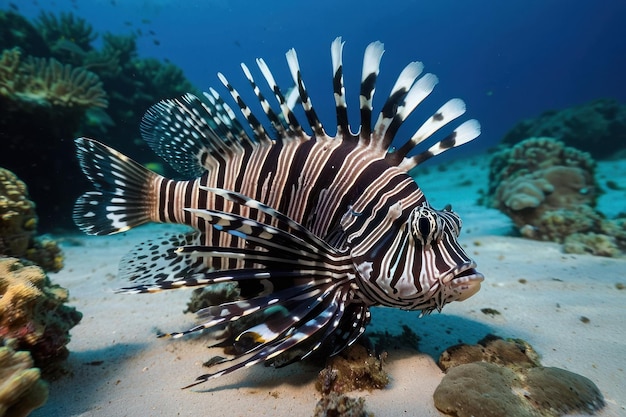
<point x="499" y="378"/>
<point x="21" y="389"/>
<point x="597" y="127"/>
<point x="18" y="223"/>
<point x="549" y="191"/>
<point x="63" y="93"/>
<point x="33" y="312"/>
<point x="16" y="30"/>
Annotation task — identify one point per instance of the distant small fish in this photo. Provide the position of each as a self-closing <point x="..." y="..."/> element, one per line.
<point x="314" y="229"/>
<point x="128" y="23"/>
<point x="151" y="32"/>
<point x="14" y="6"/>
<point x="69" y="46"/>
<point x="145" y="21"/>
<point x="156" y="42"/>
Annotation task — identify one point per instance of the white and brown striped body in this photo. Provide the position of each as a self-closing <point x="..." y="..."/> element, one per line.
<point x="321" y="226"/>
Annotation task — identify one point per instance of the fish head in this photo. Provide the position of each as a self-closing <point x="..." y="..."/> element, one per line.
<point x="414" y="260"/>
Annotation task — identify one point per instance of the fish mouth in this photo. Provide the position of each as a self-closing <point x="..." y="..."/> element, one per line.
<point x="464" y="281"/>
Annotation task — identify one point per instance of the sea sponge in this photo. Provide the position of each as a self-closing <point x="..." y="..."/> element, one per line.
<point x="21" y="389"/>
<point x="33" y="312"/>
<point x="501" y="378"/>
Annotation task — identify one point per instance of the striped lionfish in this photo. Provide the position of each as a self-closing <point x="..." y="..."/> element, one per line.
<point x="314" y="229"/>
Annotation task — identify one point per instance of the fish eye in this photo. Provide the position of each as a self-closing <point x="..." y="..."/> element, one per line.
<point x="425" y="225"/>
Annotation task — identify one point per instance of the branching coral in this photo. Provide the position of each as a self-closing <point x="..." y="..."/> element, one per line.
<point x="33" y="312"/>
<point x="21" y="389"/>
<point x="9" y="75"/>
<point x="66" y="27"/>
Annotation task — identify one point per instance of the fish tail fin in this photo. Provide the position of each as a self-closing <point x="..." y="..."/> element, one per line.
<point x="121" y="200"/>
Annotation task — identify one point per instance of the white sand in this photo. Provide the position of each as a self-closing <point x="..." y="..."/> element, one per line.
<point x="121" y="369"/>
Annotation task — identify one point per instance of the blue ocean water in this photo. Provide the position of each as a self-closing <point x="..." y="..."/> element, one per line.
<point x="508" y="60"/>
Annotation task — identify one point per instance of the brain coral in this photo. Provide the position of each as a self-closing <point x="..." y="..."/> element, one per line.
<point x="21" y="389"/>
<point x="32" y="312"/>
<point x="499" y="378"/>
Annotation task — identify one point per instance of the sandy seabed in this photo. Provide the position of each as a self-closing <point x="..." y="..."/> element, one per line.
<point x="119" y="368"/>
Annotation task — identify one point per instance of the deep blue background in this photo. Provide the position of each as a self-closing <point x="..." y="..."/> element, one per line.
<point x="507" y="59"/>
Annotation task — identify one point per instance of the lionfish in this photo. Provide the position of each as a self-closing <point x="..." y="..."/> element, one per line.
<point x="313" y="229"/>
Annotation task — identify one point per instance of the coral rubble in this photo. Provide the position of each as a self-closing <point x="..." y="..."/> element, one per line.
<point x="33" y="312"/>
<point x="597" y="127"/>
<point x="337" y="405"/>
<point x="549" y="191"/>
<point x="21" y="389"/>
<point x="499" y="378"/>
<point x="353" y="369"/>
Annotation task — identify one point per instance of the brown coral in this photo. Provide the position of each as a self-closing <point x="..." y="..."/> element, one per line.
<point x="21" y="389"/>
<point x="17" y="215"/>
<point x="32" y="312"/>
<point x="47" y="82"/>
<point x="500" y="378"/>
<point x="18" y="226"/>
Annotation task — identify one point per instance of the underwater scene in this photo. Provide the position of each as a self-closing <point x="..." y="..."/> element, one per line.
<point x="336" y="208"/>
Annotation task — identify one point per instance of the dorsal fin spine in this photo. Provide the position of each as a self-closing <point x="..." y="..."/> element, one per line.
<point x="267" y="109"/>
<point x="292" y="123"/>
<point x="464" y="133"/>
<point x="294" y="68"/>
<point x="341" y="107"/>
<point x="390" y="114"/>
<point x="371" y="68"/>
<point x="259" y="131"/>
